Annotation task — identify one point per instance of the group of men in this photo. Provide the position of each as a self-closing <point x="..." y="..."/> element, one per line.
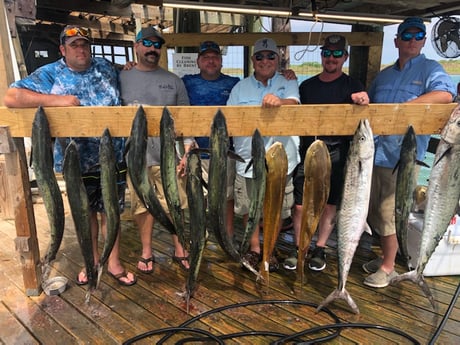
<point x="79" y="79"/>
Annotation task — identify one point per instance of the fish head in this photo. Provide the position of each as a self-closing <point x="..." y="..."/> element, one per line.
<point x="363" y="141"/>
<point x="451" y="131"/>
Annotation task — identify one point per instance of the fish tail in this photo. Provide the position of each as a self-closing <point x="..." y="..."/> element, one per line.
<point x="99" y="269"/>
<point x="417" y="279"/>
<point x="339" y="294"/>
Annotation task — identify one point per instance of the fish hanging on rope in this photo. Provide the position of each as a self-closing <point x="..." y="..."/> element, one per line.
<point x="317" y="171"/>
<point x="443" y="195"/>
<point x="109" y="187"/>
<point x="197" y="206"/>
<point x="352" y="215"/>
<point x="42" y="163"/>
<point x="277" y="165"/>
<point x="259" y="177"/>
<point x="81" y="213"/>
<point x="137" y="170"/>
<point x="168" y="174"/>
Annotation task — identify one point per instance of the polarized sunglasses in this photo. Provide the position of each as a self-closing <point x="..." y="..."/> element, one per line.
<point x="407" y="36"/>
<point x="269" y="56"/>
<point x="335" y="53"/>
<point x="148" y="43"/>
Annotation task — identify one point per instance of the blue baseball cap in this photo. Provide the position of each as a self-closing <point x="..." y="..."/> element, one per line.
<point x="411" y="22"/>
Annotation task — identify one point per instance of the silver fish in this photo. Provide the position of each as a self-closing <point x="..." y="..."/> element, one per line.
<point x="168" y="173"/>
<point x="42" y="163"/>
<point x="405" y="187"/>
<point x="109" y="189"/>
<point x="443" y="195"/>
<point x="137" y="146"/>
<point x="352" y="215"/>
<point x="81" y="213"/>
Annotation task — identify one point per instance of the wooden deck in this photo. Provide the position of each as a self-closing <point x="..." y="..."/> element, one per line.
<point x="117" y="314"/>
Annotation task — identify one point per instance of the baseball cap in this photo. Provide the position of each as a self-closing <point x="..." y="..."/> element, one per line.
<point x="411" y="22"/>
<point x="265" y="44"/>
<point x="335" y="42"/>
<point x="209" y="45"/>
<point x="71" y="33"/>
<point x="147" y="32"/>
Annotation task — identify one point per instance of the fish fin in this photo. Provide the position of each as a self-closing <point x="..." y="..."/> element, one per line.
<point x="198" y="150"/>
<point x="449" y="148"/>
<point x="249" y="165"/>
<point x="339" y="294"/>
<point x="423" y="164"/>
<point x="247" y="265"/>
<point x="417" y="279"/>
<point x="235" y="156"/>
<point x="367" y="229"/>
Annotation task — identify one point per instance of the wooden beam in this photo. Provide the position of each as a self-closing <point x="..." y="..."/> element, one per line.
<point x="322" y="119"/>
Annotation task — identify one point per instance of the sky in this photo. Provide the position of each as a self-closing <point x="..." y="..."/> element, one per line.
<point x="311" y="54"/>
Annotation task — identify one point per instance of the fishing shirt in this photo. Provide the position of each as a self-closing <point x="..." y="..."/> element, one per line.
<point x="208" y="92"/>
<point x="96" y="86"/>
<point x="250" y="91"/>
<point x="157" y="87"/>
<point x="393" y="85"/>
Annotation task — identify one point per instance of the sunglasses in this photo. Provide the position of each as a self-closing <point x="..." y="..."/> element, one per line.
<point x="269" y="56"/>
<point x="209" y="45"/>
<point x="147" y="43"/>
<point x="71" y="32"/>
<point x="334" y="53"/>
<point x="407" y="36"/>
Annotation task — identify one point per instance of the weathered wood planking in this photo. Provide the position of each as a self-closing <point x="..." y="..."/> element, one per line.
<point x="323" y="119"/>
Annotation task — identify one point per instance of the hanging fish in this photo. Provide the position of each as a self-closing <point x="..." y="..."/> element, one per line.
<point x="137" y="170"/>
<point x="277" y="165"/>
<point x="109" y="189"/>
<point x="168" y="173"/>
<point x="81" y="213"/>
<point x="42" y="163"/>
<point x="317" y="171"/>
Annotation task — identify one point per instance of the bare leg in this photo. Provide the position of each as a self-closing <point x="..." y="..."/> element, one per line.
<point x="296" y="223"/>
<point x="326" y="225"/>
<point x="230" y="217"/>
<point x="180" y="252"/>
<point x="389" y="248"/>
<point x="144" y="222"/>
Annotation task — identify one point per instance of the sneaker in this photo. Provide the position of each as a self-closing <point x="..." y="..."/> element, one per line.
<point x="380" y="279"/>
<point x="318" y="259"/>
<point x="373" y="265"/>
<point x="253" y="259"/>
<point x="290" y="263"/>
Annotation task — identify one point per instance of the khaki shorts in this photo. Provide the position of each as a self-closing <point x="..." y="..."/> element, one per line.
<point x="154" y="174"/>
<point x="231" y="171"/>
<point x="242" y="191"/>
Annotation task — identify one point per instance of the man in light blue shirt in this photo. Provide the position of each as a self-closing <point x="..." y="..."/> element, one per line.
<point x="268" y="88"/>
<point x="412" y="79"/>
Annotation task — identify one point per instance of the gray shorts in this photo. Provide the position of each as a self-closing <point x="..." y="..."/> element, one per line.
<point x="242" y="192"/>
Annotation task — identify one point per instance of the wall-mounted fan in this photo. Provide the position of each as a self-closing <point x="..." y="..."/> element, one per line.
<point x="445" y="37"/>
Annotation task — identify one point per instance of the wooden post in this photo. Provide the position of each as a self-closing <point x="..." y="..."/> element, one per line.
<point x="16" y="172"/>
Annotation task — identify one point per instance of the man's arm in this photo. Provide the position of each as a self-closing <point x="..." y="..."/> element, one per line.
<point x="433" y="97"/>
<point x="24" y="98"/>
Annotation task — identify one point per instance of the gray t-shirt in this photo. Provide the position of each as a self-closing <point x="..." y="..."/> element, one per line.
<point x="159" y="87"/>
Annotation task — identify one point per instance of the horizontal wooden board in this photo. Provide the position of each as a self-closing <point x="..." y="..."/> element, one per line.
<point x="330" y="119"/>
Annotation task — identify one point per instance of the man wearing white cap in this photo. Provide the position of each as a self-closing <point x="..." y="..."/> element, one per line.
<point x="268" y="88"/>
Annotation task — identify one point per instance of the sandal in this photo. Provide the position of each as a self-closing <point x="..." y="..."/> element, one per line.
<point x="123" y="274"/>
<point x="81" y="282"/>
<point x="179" y="260"/>
<point x="146" y="263"/>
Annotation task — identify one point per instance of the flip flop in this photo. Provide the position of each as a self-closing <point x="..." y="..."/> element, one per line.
<point x="146" y="263"/>
<point x="179" y="260"/>
<point x="123" y="274"/>
<point x="78" y="281"/>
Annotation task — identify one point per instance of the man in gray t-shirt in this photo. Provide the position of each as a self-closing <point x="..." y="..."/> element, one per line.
<point x="149" y="84"/>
